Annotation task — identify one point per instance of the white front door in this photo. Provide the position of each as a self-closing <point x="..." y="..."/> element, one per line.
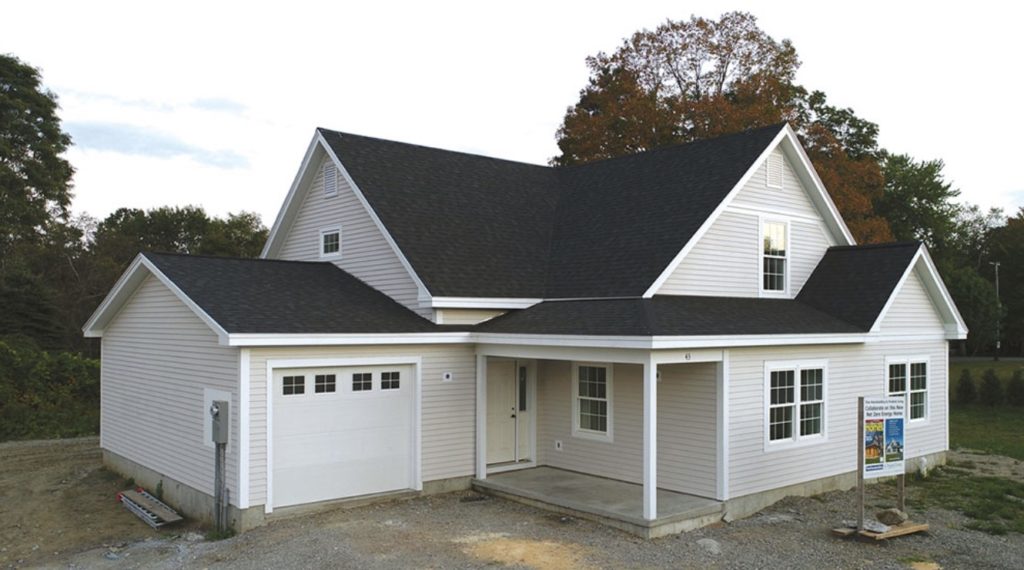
<point x="509" y="411"/>
<point x="501" y="411"/>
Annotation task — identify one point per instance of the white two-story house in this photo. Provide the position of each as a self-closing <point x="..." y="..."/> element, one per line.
<point x="679" y="336"/>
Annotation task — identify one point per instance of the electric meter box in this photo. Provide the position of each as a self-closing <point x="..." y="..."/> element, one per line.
<point x="220" y="414"/>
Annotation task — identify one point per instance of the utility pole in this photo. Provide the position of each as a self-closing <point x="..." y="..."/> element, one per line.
<point x="999" y="307"/>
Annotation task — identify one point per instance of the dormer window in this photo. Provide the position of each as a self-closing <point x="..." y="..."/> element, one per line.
<point x="330" y="180"/>
<point x="330" y="243"/>
<point x="774" y="256"/>
<point x="773" y="170"/>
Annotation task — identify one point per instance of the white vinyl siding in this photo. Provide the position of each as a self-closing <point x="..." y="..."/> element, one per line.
<point x="157" y="359"/>
<point x="791" y="199"/>
<point x="367" y="254"/>
<point x="853" y="370"/>
<point x="465" y="316"/>
<point x="448" y="408"/>
<point x="726" y="261"/>
<point x="687" y="441"/>
<point x="912" y="309"/>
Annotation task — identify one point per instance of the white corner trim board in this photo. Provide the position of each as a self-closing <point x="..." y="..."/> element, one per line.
<point x="244" y="421"/>
<point x="417" y="448"/>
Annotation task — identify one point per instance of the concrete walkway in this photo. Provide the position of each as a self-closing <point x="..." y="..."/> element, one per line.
<point x="611" y="502"/>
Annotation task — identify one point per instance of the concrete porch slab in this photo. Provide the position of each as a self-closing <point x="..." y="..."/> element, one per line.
<point x="614" y="503"/>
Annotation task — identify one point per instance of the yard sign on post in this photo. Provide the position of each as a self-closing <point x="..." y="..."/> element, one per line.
<point x="880" y="447"/>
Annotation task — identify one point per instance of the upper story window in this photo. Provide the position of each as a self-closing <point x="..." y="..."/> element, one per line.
<point x="592" y="401"/>
<point x="908" y="377"/>
<point x="774" y="256"/>
<point x="330" y="243"/>
<point x="773" y="170"/>
<point x="330" y="180"/>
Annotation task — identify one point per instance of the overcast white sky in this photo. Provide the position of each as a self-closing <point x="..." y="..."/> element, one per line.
<point x="214" y="103"/>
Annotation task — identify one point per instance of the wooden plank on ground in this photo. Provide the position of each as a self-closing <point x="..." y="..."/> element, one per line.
<point x="157" y="509"/>
<point x="901" y="529"/>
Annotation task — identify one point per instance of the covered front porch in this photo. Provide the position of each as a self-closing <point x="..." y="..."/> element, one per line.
<point x="630" y="438"/>
<point x="608" y="501"/>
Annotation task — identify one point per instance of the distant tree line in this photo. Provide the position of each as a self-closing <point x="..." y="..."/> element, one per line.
<point x="692" y="79"/>
<point x="56" y="269"/>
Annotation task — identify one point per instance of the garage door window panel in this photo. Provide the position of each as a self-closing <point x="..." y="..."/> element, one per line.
<point x="362" y="382"/>
<point x="390" y="380"/>
<point x="293" y="385"/>
<point x="325" y="383"/>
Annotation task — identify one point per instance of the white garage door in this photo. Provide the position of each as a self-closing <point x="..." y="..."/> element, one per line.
<point x="341" y="432"/>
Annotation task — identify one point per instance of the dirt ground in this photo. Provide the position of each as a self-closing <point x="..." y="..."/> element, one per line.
<point x="58" y="510"/>
<point x="56" y="500"/>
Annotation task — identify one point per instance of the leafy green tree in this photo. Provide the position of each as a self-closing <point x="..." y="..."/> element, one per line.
<point x="35" y="180"/>
<point x="1015" y="389"/>
<point x="965" y="390"/>
<point x="918" y="201"/>
<point x="975" y="297"/>
<point x="991" y="389"/>
<point x="698" y="78"/>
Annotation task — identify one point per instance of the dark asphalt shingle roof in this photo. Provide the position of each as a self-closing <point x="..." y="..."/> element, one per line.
<point x="669" y="316"/>
<point x="853" y="283"/>
<point x="266" y="296"/>
<point x="473" y="226"/>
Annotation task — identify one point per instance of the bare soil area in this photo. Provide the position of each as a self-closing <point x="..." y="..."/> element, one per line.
<point x="57" y="510"/>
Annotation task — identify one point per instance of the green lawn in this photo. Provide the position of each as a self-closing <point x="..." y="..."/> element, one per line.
<point x="998" y="430"/>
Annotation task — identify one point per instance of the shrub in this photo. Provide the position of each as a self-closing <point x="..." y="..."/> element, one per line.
<point x="1015" y="390"/>
<point x="991" y="389"/>
<point x="46" y="394"/>
<point x="965" y="391"/>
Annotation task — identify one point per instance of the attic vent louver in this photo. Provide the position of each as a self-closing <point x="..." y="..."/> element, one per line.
<point x="774" y="170"/>
<point x="330" y="180"/>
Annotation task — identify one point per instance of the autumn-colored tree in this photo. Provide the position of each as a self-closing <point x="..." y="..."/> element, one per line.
<point x="699" y="78"/>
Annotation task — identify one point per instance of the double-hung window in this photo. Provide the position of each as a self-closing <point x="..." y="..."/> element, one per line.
<point x="795" y="397"/>
<point x="592" y="401"/>
<point x="330" y="243"/>
<point x="908" y="377"/>
<point x="774" y="256"/>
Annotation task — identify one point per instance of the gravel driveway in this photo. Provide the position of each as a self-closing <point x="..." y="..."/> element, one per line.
<point x="466" y="530"/>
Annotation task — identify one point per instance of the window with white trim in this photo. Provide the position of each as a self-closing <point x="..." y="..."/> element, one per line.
<point x="592" y="400"/>
<point x="330" y="180"/>
<point x="330" y="243"/>
<point x="908" y="377"/>
<point x="796" y="401"/>
<point x="774" y="256"/>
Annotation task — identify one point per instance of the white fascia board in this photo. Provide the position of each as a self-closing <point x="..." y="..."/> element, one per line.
<point x="423" y="291"/>
<point x="808" y="171"/>
<point x="790" y="144"/>
<point x="703" y="229"/>
<point x="956" y="328"/>
<point x="286" y="215"/>
<point x="355" y="339"/>
<point x="115" y="299"/>
<point x="479" y="302"/>
<point x="578" y="341"/>
<point x="125" y="288"/>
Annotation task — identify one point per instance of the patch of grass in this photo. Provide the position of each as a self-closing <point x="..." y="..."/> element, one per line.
<point x="995" y="504"/>
<point x="998" y="430"/>
<point x="213" y="535"/>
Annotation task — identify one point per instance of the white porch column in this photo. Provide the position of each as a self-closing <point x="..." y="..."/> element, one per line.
<point x="650" y="439"/>
<point x="481" y="417"/>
